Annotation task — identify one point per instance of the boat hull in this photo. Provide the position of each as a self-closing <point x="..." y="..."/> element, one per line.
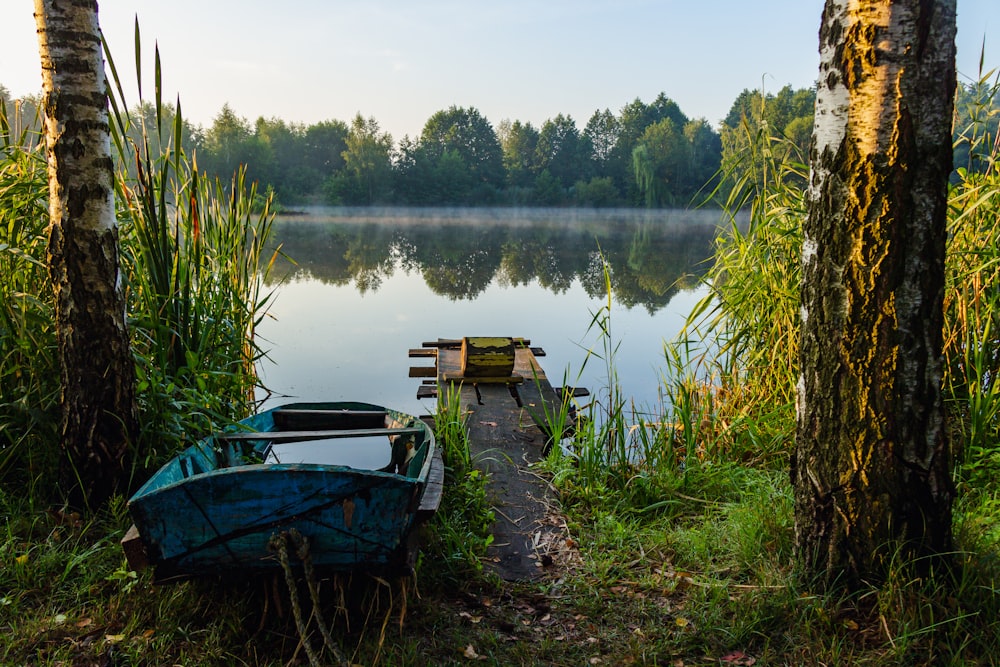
<point x="215" y="509"/>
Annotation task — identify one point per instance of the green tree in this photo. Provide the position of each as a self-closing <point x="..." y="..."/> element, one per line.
<point x="324" y="146"/>
<point x="282" y="145"/>
<point x="229" y="144"/>
<point x="633" y="120"/>
<point x="602" y="132"/>
<point x="705" y="147"/>
<point x="519" y="142"/>
<point x="662" y="162"/>
<point x="367" y="174"/>
<point x="563" y="151"/>
<point x="754" y="119"/>
<point x="469" y="136"/>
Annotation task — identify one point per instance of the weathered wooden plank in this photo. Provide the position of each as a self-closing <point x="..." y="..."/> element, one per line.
<point x="433" y="489"/>
<point x="422" y="352"/>
<point x="294" y="436"/>
<point x="427" y="391"/>
<point x="423" y="371"/>
<point x="442" y="342"/>
<point x="511" y="379"/>
<point x="457" y="342"/>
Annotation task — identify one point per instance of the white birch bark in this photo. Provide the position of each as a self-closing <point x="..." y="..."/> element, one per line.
<point x="98" y="375"/>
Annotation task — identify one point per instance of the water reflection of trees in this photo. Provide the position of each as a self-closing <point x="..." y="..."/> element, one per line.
<point x="650" y="259"/>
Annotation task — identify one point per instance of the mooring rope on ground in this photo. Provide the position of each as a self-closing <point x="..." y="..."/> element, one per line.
<point x="279" y="543"/>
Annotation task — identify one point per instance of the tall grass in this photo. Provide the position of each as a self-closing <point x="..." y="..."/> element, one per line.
<point x="461" y="529"/>
<point x="972" y="296"/>
<point x="29" y="371"/>
<point x="194" y="265"/>
<point x="746" y="329"/>
<point x="194" y="257"/>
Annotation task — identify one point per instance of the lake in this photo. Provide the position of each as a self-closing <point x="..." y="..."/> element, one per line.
<point x="360" y="287"/>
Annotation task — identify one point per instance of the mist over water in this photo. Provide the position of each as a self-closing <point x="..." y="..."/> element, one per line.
<point x="361" y="287"/>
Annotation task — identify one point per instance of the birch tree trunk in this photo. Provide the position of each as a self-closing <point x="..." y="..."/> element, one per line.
<point x="98" y="373"/>
<point x="871" y="467"/>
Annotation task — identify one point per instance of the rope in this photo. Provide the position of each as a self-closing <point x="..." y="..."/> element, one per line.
<point x="302" y="551"/>
<point x="280" y="543"/>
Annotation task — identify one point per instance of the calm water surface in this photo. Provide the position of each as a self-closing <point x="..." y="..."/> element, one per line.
<point x="366" y="286"/>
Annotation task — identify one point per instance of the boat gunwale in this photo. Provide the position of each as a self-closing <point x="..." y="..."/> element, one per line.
<point x="206" y="447"/>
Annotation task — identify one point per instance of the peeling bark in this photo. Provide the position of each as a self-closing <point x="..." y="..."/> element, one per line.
<point x="871" y="466"/>
<point x="98" y="374"/>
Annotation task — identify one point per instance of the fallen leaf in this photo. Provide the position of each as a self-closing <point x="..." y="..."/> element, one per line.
<point x="738" y="658"/>
<point x="114" y="639"/>
<point x="22" y="559"/>
<point x="682" y="622"/>
<point x="84" y="622"/>
<point x="470" y="653"/>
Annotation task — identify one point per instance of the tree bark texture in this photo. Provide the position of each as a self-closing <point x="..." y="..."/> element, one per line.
<point x="871" y="466"/>
<point x="98" y="373"/>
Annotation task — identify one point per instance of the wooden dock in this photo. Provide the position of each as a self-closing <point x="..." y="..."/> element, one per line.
<point x="506" y="394"/>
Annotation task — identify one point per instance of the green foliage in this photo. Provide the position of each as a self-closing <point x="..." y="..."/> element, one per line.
<point x="972" y="296"/>
<point x="518" y="142"/>
<point x="29" y="367"/>
<point x="366" y="177"/>
<point x="777" y="128"/>
<point x="562" y="151"/>
<point x="466" y="138"/>
<point x="687" y="542"/>
<point x="194" y="260"/>
<point x="460" y="531"/>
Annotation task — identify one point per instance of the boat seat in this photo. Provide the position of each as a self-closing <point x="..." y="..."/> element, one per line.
<point x="298" y="420"/>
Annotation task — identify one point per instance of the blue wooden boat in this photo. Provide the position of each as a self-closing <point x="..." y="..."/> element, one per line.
<point x="352" y="478"/>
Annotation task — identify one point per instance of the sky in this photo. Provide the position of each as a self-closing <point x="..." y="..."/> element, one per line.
<point x="400" y="61"/>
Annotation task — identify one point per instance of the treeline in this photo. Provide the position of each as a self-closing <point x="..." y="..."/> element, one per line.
<point x="646" y="155"/>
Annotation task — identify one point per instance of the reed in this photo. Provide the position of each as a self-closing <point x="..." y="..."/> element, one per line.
<point x="972" y="296"/>
<point x="29" y="367"/>
<point x="195" y="263"/>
